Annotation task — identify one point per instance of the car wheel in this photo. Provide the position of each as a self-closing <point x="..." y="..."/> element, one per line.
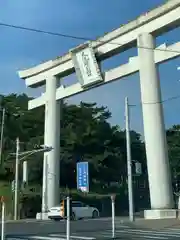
<point x="56" y="219"/>
<point x="95" y="214"/>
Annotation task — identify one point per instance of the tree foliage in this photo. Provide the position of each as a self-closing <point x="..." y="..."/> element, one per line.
<point x="85" y="135"/>
<point x="173" y="139"/>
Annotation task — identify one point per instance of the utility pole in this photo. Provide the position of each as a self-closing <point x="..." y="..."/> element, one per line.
<point x="16" y="181"/>
<point x="2" y="133"/>
<point x="44" y="186"/>
<point x="129" y="162"/>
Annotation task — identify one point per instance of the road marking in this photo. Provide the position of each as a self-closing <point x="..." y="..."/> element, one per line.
<point x="16" y="238"/>
<point x="85" y="238"/>
<point x="51" y="237"/>
<point x="141" y="235"/>
<point x="108" y="234"/>
<point x="74" y="236"/>
<point x="142" y="232"/>
<point x="43" y="238"/>
<point x="121" y="226"/>
<point x="152" y="237"/>
<point x="173" y="229"/>
<point x="165" y="233"/>
<point x="96" y="219"/>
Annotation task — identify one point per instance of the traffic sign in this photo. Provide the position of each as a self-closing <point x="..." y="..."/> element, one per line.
<point x="83" y="176"/>
<point x="138" y="168"/>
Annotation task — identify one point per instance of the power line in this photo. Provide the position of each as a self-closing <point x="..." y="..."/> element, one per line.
<point x="88" y="39"/>
<point x="151" y="103"/>
<point x="77" y="37"/>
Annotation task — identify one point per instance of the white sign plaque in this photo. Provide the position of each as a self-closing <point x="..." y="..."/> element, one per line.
<point x="86" y="65"/>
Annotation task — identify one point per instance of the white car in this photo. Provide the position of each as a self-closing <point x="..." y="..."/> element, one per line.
<point x="79" y="211"/>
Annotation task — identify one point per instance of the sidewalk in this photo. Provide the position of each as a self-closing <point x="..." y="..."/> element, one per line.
<point x="153" y="224"/>
<point x="26" y="220"/>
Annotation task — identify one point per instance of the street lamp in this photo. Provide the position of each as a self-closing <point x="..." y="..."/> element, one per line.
<point x="23" y="155"/>
<point x="138" y="166"/>
<point x="129" y="161"/>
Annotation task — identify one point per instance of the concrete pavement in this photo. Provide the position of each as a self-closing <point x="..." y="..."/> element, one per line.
<point x="151" y="224"/>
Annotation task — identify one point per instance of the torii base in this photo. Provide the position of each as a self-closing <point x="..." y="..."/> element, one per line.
<point x="160" y="214"/>
<point x="42" y="216"/>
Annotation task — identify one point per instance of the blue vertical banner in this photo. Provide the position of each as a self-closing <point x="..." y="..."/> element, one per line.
<point x="83" y="176"/>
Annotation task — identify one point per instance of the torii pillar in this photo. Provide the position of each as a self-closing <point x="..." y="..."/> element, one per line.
<point x="154" y="131"/>
<point x="51" y="163"/>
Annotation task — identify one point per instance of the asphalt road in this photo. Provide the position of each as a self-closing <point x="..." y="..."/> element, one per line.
<point x="85" y="230"/>
<point x="45" y="227"/>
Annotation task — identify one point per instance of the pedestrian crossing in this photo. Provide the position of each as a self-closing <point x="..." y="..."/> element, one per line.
<point x="49" y="237"/>
<point x="134" y="234"/>
<point x="122" y="232"/>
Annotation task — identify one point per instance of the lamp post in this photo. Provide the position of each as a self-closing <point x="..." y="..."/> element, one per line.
<point x="23" y="156"/>
<point x="129" y="162"/>
<point x="138" y="166"/>
<point x="16" y="180"/>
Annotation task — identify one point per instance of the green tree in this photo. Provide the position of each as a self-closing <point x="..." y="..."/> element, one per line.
<point x="85" y="135"/>
<point x="19" y="122"/>
<point x="173" y="139"/>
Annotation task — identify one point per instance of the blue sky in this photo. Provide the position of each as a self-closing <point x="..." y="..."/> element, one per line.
<point x="20" y="49"/>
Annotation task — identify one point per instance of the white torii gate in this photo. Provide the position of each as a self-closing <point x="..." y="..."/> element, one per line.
<point x="140" y="32"/>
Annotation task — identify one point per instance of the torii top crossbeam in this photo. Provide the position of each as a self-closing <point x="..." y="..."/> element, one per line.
<point x="156" y="22"/>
